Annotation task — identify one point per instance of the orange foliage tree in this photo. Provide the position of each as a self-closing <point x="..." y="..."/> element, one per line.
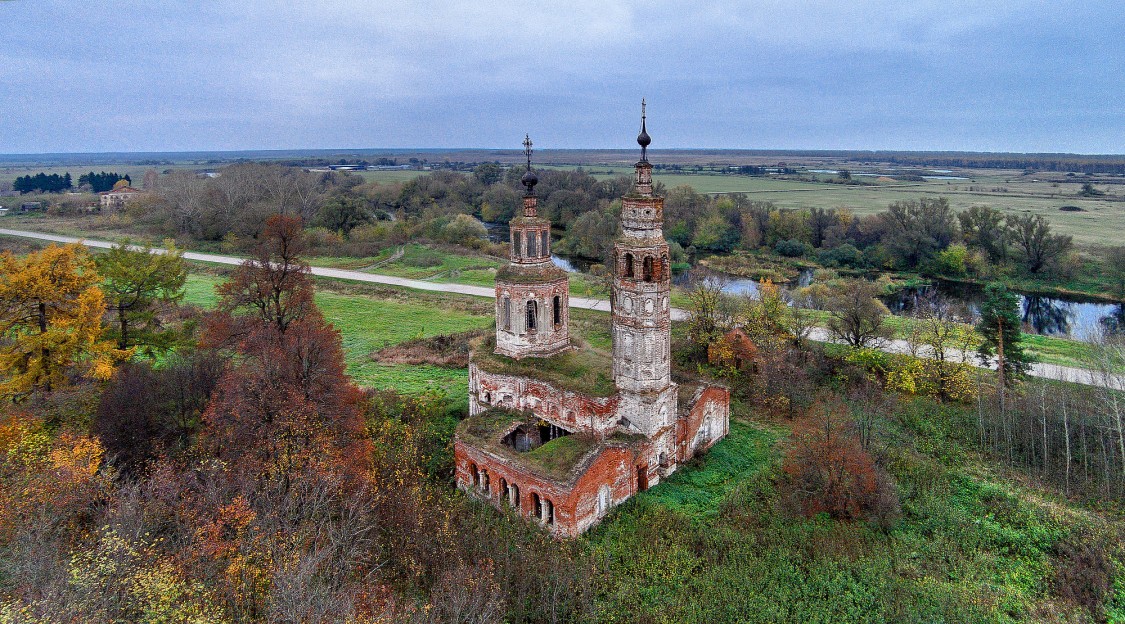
<point x="827" y="470"/>
<point x="289" y="402"/>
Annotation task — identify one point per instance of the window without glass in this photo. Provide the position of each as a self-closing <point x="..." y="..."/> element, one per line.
<point x="531" y="253"/>
<point x="545" y="243"/>
<point x="557" y="310"/>
<point x="628" y="265"/>
<point x="506" y="314"/>
<point x="647" y="268"/>
<point x="532" y="315"/>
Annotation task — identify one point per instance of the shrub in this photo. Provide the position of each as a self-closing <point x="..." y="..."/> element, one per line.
<point x="1083" y="573"/>
<point x="792" y="248"/>
<point x="951" y="261"/>
<point x="843" y="256"/>
<point x="830" y="472"/>
<point x="463" y="230"/>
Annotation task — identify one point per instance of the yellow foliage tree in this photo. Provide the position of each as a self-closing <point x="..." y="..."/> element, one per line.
<point x="51" y="320"/>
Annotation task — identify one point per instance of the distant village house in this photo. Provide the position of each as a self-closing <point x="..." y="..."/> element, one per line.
<point x="116" y="199"/>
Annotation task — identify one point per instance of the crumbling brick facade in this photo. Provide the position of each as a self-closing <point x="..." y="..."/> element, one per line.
<point x="623" y="443"/>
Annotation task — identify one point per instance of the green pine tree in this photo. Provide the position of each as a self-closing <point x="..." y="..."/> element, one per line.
<point x="999" y="327"/>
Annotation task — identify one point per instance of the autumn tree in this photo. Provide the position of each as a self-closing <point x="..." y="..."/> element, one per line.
<point x="50" y="314"/>
<point x="916" y="230"/>
<point x="939" y="328"/>
<point x="1036" y="246"/>
<point x="827" y="470"/>
<point x="145" y="410"/>
<point x="344" y="213"/>
<point x="1001" y="338"/>
<point x="856" y="316"/>
<point x="138" y="284"/>
<point x="274" y="286"/>
<point x="288" y="403"/>
<point x="711" y="312"/>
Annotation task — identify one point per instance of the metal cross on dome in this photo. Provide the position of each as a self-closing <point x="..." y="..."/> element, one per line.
<point x="527" y="149"/>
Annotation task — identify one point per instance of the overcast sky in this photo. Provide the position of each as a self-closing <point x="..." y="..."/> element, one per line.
<point x="917" y="74"/>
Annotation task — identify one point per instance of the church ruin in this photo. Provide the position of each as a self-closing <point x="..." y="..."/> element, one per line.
<point x="560" y="431"/>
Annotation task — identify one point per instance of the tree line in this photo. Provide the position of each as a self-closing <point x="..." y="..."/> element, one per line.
<point x="54" y="183"/>
<point x="42" y="183"/>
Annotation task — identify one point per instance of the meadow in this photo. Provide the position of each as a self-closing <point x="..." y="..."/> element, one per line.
<point x="371" y="318"/>
<point x="973" y="544"/>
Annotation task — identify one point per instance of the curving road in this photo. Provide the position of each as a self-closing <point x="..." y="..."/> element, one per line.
<point x="1047" y="371"/>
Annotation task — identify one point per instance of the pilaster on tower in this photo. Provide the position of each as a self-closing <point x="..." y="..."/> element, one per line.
<point x="532" y="294"/>
<point x="641" y="313"/>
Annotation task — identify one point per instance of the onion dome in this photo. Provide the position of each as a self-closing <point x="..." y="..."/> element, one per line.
<point x="643" y="139"/>
<point x="529" y="180"/>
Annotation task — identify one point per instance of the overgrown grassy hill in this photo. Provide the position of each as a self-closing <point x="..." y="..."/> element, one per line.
<point x="974" y="543"/>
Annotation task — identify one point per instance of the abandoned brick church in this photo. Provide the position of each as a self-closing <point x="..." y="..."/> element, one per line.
<point x="559" y="431"/>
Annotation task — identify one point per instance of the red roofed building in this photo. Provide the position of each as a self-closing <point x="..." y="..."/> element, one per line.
<point x="118" y="197"/>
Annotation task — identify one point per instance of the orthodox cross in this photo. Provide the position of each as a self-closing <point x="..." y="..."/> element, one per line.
<point x="527" y="149"/>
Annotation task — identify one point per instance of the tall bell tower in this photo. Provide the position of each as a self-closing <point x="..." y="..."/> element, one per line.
<point x="532" y="294"/>
<point x="641" y="313"/>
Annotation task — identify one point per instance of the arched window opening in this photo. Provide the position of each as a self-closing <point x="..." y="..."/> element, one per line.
<point x="556" y="310"/>
<point x="488" y="398"/>
<point x="536" y="505"/>
<point x="503" y="491"/>
<point x="514" y="495"/>
<point x="532" y="315"/>
<point x="548" y="512"/>
<point x="603" y="499"/>
<point x="484" y="485"/>
<point x="545" y="243"/>
<point x="647" y="268"/>
<point x="506" y="314"/>
<point x="531" y="253"/>
<point x="474" y="475"/>
<point x="628" y="265"/>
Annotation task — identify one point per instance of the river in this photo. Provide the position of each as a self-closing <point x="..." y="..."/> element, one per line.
<point x="1067" y="317"/>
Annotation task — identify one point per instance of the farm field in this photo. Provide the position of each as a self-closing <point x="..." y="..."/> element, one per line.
<point x="1006" y="190"/>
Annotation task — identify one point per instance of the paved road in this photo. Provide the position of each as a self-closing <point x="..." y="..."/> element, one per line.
<point x="345" y="274"/>
<point x="1047" y="371"/>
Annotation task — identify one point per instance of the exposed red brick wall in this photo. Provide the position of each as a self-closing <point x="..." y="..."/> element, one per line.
<point x="575" y="504"/>
<point x="570" y="410"/>
<point x="718" y="399"/>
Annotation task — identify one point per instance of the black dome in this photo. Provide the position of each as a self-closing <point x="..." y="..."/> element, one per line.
<point x="529" y="179"/>
<point x="643" y="139"/>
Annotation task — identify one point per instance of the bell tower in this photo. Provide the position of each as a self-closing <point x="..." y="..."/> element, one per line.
<point x="532" y="294"/>
<point x="641" y="313"/>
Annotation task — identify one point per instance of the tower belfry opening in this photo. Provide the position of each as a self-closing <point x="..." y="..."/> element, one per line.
<point x="531" y="278"/>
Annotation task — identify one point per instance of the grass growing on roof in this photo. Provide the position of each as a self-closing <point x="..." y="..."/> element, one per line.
<point x="586" y="370"/>
<point x="559" y="456"/>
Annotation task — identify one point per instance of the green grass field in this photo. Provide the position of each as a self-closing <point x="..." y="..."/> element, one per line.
<point x="370" y="322"/>
<point x="713" y="543"/>
<point x="1009" y="191"/>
